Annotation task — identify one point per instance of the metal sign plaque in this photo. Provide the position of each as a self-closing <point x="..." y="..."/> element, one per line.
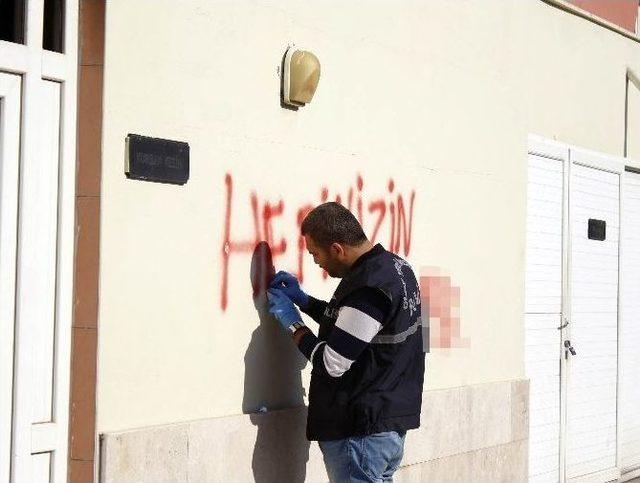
<point x="154" y="159"/>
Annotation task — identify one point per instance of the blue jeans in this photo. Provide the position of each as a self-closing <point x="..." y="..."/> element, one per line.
<point x="371" y="459"/>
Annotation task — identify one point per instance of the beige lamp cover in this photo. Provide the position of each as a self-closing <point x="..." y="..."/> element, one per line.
<point x="301" y="77"/>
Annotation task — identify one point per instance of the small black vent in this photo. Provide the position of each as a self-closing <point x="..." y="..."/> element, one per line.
<point x="597" y="229"/>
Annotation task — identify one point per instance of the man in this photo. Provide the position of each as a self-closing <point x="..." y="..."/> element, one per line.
<point x="368" y="360"/>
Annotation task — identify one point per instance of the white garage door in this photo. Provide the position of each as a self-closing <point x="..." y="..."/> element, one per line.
<point x="629" y="402"/>
<point x="592" y="373"/>
<point x="543" y="311"/>
<point x="583" y="290"/>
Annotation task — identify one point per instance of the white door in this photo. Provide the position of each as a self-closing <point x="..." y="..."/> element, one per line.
<point x="593" y="330"/>
<point x="37" y="184"/>
<point x="629" y="392"/>
<point x="543" y="308"/>
<point x="9" y="163"/>
<point x="582" y="290"/>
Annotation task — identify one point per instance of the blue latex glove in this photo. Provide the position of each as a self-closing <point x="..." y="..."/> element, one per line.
<point x="289" y="284"/>
<point x="282" y="308"/>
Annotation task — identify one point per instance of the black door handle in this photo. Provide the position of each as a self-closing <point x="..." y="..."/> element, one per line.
<point x="569" y="347"/>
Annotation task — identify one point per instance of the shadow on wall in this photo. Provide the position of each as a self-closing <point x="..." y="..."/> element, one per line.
<point x="273" y="381"/>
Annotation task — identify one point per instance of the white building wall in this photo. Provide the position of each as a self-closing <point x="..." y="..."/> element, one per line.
<point x="438" y="96"/>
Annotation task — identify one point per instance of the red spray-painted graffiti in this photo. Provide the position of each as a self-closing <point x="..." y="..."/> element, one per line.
<point x="266" y="213"/>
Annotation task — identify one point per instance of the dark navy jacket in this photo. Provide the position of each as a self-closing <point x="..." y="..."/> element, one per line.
<point x="382" y="391"/>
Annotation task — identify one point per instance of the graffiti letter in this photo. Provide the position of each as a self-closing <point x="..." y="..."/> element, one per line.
<point x="381" y="208"/>
<point x="402" y="225"/>
<point x="229" y="246"/>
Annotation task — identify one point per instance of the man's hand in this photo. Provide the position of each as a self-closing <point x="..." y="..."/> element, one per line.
<point x="282" y="308"/>
<point x="289" y="284"/>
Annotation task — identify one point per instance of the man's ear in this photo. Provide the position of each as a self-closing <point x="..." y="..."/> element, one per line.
<point x="337" y="249"/>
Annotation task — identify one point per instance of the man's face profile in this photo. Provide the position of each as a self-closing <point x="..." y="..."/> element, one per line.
<point x="328" y="258"/>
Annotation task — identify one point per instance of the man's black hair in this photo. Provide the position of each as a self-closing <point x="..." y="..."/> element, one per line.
<point x="332" y="223"/>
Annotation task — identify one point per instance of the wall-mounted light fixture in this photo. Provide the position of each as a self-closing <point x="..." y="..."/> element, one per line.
<point x="300" y="76"/>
